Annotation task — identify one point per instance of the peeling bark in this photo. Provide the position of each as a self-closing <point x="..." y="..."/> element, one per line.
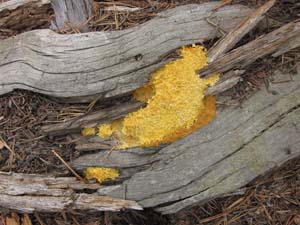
<point x="31" y="193"/>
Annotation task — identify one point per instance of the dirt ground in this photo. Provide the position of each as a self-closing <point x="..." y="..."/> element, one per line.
<point x="271" y="199"/>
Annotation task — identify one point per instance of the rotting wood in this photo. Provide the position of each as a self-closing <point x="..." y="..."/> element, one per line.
<point x="278" y="41"/>
<point x="91" y="119"/>
<point x="239" y="145"/>
<point x="41" y="193"/>
<point x="232" y="38"/>
<point x="80" y="67"/>
<point x="106" y="115"/>
<point x="73" y="12"/>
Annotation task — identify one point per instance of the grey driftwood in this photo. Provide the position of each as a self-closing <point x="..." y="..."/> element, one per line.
<point x="30" y="193"/>
<point x="74" y="12"/>
<point x="243" y="142"/>
<point x="106" y="64"/>
<point x="239" y="145"/>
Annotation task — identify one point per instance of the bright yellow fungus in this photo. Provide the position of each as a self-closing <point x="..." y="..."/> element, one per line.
<point x="101" y="174"/>
<point x="88" y="131"/>
<point x="176" y="104"/>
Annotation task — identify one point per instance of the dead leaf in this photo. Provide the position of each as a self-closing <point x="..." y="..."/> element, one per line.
<point x="13" y="219"/>
<point x="26" y="220"/>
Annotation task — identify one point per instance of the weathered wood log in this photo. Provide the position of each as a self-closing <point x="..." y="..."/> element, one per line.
<point x="239" y="145"/>
<point x="277" y="41"/>
<point x="91" y="119"/>
<point x="30" y="193"/>
<point x="106" y="64"/>
<point x="75" y="12"/>
<point x="75" y="125"/>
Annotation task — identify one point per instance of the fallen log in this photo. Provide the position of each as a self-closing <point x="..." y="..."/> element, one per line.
<point x="91" y="119"/>
<point x="279" y="41"/>
<point x="29" y="193"/>
<point x="81" y="67"/>
<point x="75" y="125"/>
<point x="239" y="145"/>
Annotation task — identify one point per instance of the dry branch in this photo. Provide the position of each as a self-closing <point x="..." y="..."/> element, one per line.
<point x="31" y="193"/>
<point x="232" y="38"/>
<point x="238" y="58"/>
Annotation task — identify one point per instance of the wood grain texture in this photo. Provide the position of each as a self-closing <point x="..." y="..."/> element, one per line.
<point x="91" y="119"/>
<point x="235" y="35"/>
<point x="75" y="12"/>
<point x="239" y="145"/>
<point x="106" y="115"/>
<point x="106" y="64"/>
<point x="279" y="41"/>
<point x="30" y="193"/>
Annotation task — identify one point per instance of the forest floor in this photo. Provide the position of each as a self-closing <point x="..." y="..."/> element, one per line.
<point x="271" y="199"/>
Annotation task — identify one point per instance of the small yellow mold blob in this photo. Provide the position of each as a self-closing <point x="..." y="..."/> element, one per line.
<point x="88" y="131"/>
<point x="105" y="130"/>
<point x="101" y="174"/>
<point x="176" y="104"/>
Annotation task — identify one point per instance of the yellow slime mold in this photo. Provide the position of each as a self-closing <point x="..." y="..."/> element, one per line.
<point x="176" y="104"/>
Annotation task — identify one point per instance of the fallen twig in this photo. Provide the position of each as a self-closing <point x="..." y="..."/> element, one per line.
<point x="237" y="34"/>
<point x="240" y="57"/>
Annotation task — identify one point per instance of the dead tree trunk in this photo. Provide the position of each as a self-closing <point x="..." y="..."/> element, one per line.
<point x="72" y="13"/>
<point x="30" y="193"/>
